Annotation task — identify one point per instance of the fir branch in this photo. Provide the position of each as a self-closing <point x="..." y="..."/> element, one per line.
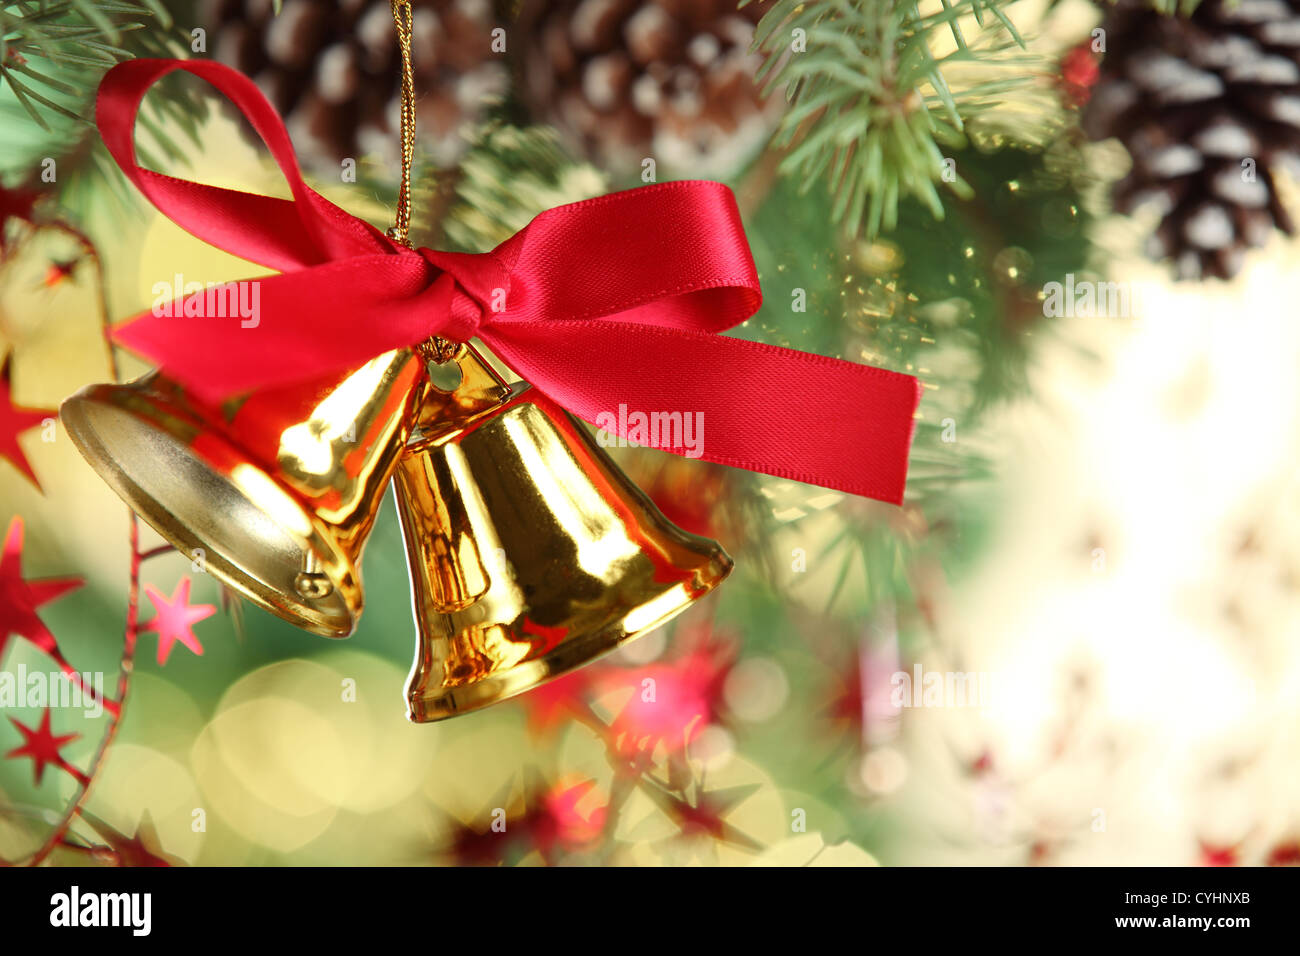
<point x="870" y="107"/>
<point x="54" y="55"/>
<point x="509" y="175"/>
<point x="75" y="33"/>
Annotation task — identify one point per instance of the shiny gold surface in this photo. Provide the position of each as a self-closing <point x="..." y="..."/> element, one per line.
<point x="530" y="552"/>
<point x="275" y="493"/>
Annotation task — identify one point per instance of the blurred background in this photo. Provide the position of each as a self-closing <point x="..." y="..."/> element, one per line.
<point x="1073" y="644"/>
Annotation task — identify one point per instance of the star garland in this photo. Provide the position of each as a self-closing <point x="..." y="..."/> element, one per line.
<point x="21" y="598"/>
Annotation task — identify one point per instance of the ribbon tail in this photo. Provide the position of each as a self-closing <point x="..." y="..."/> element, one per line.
<point x="778" y="411"/>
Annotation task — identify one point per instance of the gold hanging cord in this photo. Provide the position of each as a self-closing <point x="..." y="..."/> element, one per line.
<point x="404" y="19"/>
<point x="434" y="349"/>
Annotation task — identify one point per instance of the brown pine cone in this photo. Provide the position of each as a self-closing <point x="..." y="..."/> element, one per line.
<point x="1209" y="109"/>
<point x="624" y="80"/>
<point x="333" y="70"/>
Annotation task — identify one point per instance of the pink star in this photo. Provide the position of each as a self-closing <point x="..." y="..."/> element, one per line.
<point x="175" y="619"/>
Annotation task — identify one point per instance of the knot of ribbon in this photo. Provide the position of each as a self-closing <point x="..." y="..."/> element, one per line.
<point x="614" y="303"/>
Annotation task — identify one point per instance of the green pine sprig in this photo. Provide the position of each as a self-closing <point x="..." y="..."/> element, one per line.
<point x="45" y="39"/>
<point x="54" y="54"/>
<point x="869" y="106"/>
<point x="509" y="175"/>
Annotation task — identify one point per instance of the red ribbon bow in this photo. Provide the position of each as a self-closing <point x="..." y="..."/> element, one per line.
<point x="614" y="301"/>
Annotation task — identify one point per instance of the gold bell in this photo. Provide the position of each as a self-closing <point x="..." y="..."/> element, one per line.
<point x="530" y="552"/>
<point x="276" y="492"/>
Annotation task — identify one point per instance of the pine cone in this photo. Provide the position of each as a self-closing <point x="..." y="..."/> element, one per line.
<point x="628" y="79"/>
<point x="333" y="70"/>
<point x="1208" y="107"/>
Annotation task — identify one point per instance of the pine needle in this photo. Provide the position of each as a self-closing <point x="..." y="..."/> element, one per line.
<point x="55" y="54"/>
<point x="869" y="102"/>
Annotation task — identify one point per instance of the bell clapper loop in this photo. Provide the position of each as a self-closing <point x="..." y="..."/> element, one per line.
<point x="440" y="351"/>
<point x="310" y="583"/>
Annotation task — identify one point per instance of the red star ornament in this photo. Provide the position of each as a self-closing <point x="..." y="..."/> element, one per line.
<point x="43" y="747"/>
<point x="19" y="599"/>
<point x="60" y="271"/>
<point x="142" y="850"/>
<point x="14" y="420"/>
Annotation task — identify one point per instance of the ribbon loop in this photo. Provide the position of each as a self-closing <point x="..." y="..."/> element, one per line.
<point x="608" y="305"/>
<point x="276" y="233"/>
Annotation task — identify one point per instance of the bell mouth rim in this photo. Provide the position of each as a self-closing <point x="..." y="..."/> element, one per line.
<point x="75" y="414"/>
<point x="564" y="659"/>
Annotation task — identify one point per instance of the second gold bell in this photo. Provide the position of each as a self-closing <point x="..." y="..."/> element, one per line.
<point x="530" y="552"/>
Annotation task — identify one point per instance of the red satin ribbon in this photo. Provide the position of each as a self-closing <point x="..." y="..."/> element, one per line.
<point x="614" y="301"/>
